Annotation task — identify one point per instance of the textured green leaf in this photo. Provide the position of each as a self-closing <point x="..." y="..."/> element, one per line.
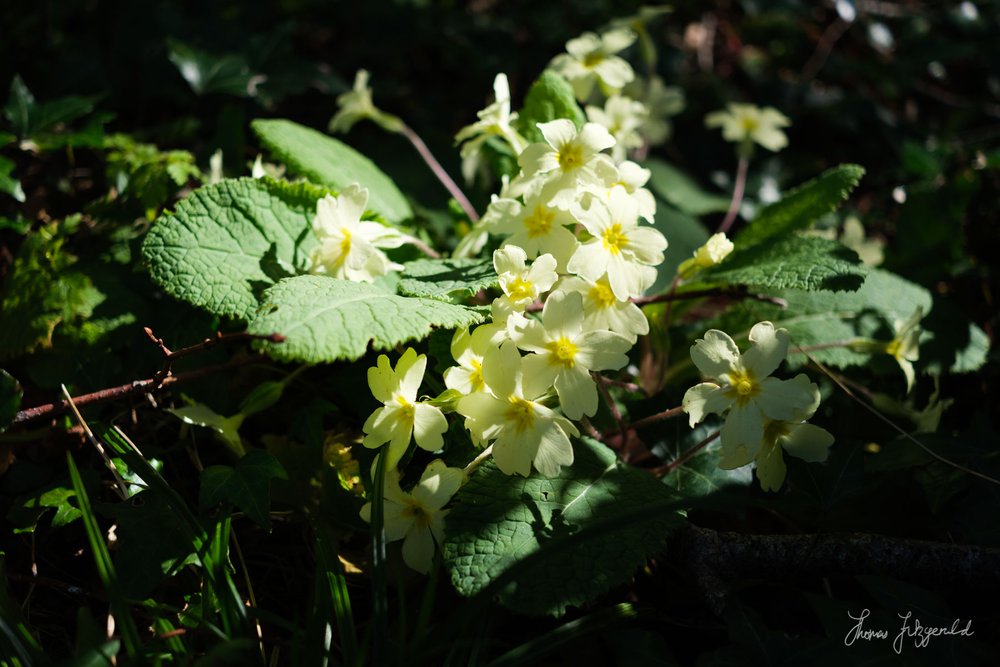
<point x="680" y="190"/>
<point x="447" y="279"/>
<point x="247" y="486"/>
<point x="701" y="475"/>
<point x="820" y="317"/>
<point x="549" y="98"/>
<point x="801" y="207"/>
<point x="228" y="242"/>
<point x="498" y="520"/>
<point x="324" y="160"/>
<point x="10" y="399"/>
<point x="795" y="262"/>
<point x="326" y="319"/>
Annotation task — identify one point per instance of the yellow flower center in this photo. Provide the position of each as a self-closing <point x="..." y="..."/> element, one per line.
<point x="540" y="221"/>
<point x="749" y="124"/>
<point x="743" y="384"/>
<point x="520" y="413"/>
<point x="520" y="289"/>
<point x="602" y="295"/>
<point x="563" y="352"/>
<point x="570" y="156"/>
<point x="406" y="409"/>
<point x="345" y="243"/>
<point x="417" y="512"/>
<point x="476" y="376"/>
<point x="593" y="59"/>
<point x="614" y="239"/>
<point x="894" y="348"/>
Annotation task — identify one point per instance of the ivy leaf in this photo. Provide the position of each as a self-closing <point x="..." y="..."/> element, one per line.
<point x="8" y="184"/>
<point x="26" y="510"/>
<point x="324" y="160"/>
<point x="29" y="117"/>
<point x="247" y="486"/>
<point x="211" y="251"/>
<point x="227" y="74"/>
<point x="499" y="520"/>
<point x="801" y="207"/>
<point x="793" y="262"/>
<point x="10" y="399"/>
<point x="447" y="279"/>
<point x="681" y="191"/>
<point x="549" y="98"/>
<point x="701" y="475"/>
<point x="325" y="319"/>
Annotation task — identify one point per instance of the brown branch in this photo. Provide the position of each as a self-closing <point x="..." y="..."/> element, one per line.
<point x="715" y="556"/>
<point x="132" y="388"/>
<point x="170" y="356"/>
<point x="731" y="292"/>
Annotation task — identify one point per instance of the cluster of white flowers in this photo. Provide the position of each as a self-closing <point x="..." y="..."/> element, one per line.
<point x="763" y="414"/>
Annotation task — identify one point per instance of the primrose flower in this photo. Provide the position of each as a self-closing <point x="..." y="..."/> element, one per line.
<point x="356" y="104"/>
<point x="523" y="285"/>
<point x="511" y="413"/>
<point x="468" y="350"/>
<point x="349" y="247"/>
<point x="905" y="347"/>
<point x="632" y="177"/>
<point x="401" y="414"/>
<point x="804" y="441"/>
<point x="535" y="227"/>
<point x="417" y="516"/>
<point x="716" y="249"/>
<point x="742" y="386"/>
<point x="567" y="159"/>
<point x="602" y="310"/>
<point x="494" y="121"/>
<point x="622" y="116"/>
<point x="619" y="247"/>
<point x="662" y="101"/>
<point x="591" y="59"/>
<point x="565" y="353"/>
<point x="748" y="123"/>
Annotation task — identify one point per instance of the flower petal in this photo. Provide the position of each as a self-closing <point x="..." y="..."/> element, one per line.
<point x="554" y="451"/>
<point x="743" y="432"/>
<point x="429" y="425"/>
<point x="792" y="400"/>
<point x="771" y="467"/>
<point x="559" y="132"/>
<point x="716" y="354"/>
<point x="807" y="442"/>
<point x="577" y="392"/>
<point x="704" y="399"/>
<point x="768" y="347"/>
<point x="418" y="549"/>
<point x="437" y="485"/>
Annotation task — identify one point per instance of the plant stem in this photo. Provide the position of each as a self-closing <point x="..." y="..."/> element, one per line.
<point x="658" y="417"/>
<point x="627" y="386"/>
<point x="615" y="412"/>
<point x="483" y="455"/>
<point x="733" y="292"/>
<point x="738" y="189"/>
<point x="668" y="468"/>
<point x="439" y="171"/>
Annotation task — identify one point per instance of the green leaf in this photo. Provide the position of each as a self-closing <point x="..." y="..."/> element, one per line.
<point x="10" y="399"/>
<point x="794" y="262"/>
<point x="549" y="98"/>
<point x="30" y="118"/>
<point x="447" y="279"/>
<point x="227" y="74"/>
<point x="227" y="429"/>
<point x="151" y="543"/>
<point x="41" y="291"/>
<point x="325" y="319"/>
<point x="821" y="317"/>
<point x="324" y="160"/>
<point x="701" y="475"/>
<point x="26" y="510"/>
<point x="499" y="520"/>
<point x="801" y="207"/>
<point x="680" y="190"/>
<point x="247" y="486"/>
<point x="228" y="242"/>
<point x="685" y="234"/>
<point x="8" y="184"/>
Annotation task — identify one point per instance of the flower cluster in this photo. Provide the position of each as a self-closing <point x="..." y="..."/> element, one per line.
<point x="763" y="414"/>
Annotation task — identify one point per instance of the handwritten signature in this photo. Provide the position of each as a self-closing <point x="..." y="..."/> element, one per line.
<point x="911" y="629"/>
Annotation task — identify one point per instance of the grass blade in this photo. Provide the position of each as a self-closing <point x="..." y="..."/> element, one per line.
<point x="105" y="569"/>
<point x="380" y="620"/>
<point x="332" y="592"/>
